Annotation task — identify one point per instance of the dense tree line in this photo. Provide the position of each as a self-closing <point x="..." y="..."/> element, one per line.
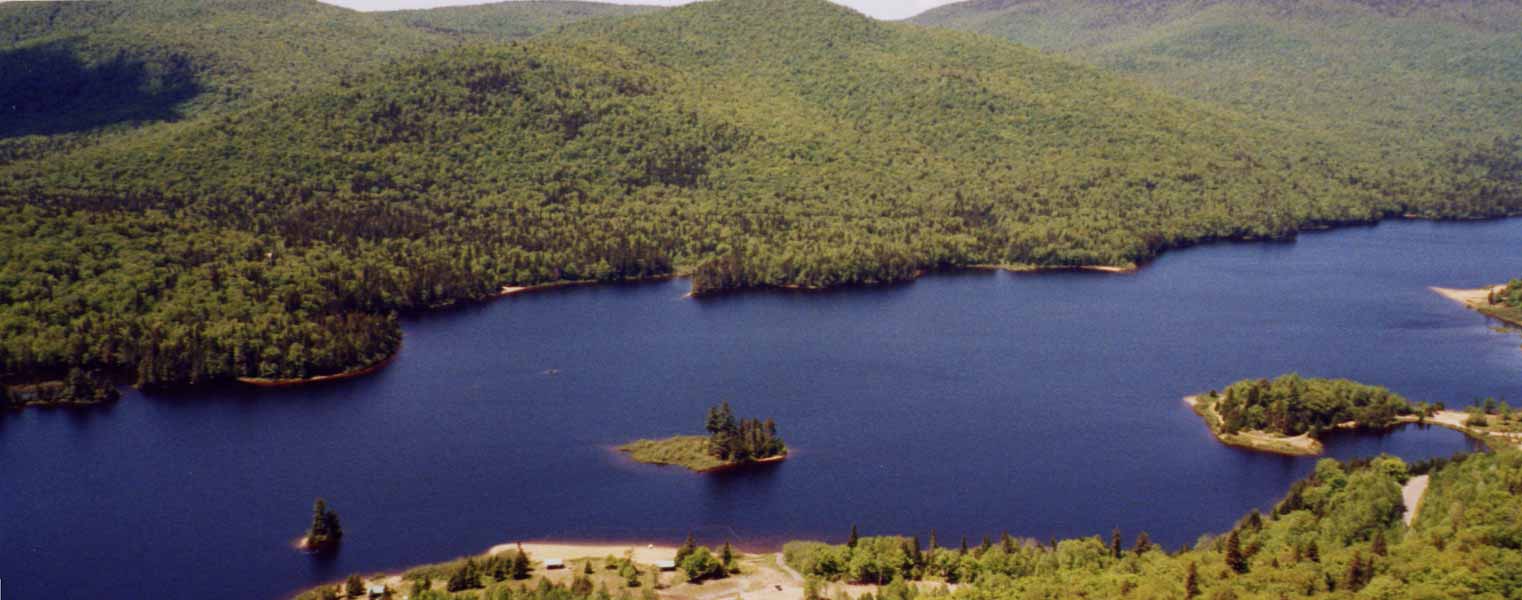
<point x="279" y="241"/>
<point x="1292" y="405"/>
<point x="76" y="388"/>
<point x="1337" y="534"/>
<point x="740" y="441"/>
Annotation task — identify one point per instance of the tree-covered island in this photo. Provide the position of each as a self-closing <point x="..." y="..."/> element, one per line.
<point x="729" y="443"/>
<point x="1286" y="415"/>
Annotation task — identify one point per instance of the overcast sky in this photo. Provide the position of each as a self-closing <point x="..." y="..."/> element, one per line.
<point x="882" y="9"/>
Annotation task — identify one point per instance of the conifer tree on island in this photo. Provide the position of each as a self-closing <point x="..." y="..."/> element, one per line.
<point x="325" y="532"/>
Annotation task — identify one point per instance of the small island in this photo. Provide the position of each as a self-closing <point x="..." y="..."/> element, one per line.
<point x="325" y="532"/>
<point x="729" y="443"/>
<point x="1287" y="414"/>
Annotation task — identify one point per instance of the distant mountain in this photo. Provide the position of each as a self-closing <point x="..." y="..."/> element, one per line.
<point x="516" y="19"/>
<point x="1408" y="78"/>
<point x="704" y="139"/>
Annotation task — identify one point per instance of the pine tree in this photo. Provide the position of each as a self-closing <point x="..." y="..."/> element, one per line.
<point x="354" y="587"/>
<point x="325" y="531"/>
<point x="1234" y="557"/>
<point x="963" y="550"/>
<point x="1192" y="582"/>
<point x="1313" y="552"/>
<point x="1115" y="543"/>
<point x="851" y="541"/>
<point x="727" y="556"/>
<point x="1379" y="546"/>
<point x="1143" y="543"/>
<point x="688" y="547"/>
<point x="587" y="567"/>
<point x="1352" y="580"/>
<point x="520" y="566"/>
<point x="1007" y="543"/>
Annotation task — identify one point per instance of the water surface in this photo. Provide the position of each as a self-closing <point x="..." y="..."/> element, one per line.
<point x="973" y="403"/>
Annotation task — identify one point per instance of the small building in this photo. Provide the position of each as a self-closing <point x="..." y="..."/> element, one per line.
<point x="665" y="565"/>
<point x="554" y="563"/>
<point x="376" y="590"/>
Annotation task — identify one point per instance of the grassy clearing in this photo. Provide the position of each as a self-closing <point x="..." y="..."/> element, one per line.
<point x="689" y="451"/>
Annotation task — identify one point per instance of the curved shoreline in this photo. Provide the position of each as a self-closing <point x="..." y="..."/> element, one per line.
<point x="349" y="374"/>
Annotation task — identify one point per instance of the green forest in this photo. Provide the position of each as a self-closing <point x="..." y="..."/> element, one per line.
<point x="272" y="216"/>
<point x="1337" y="534"/>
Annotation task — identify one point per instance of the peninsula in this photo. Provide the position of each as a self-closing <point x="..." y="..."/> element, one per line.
<point x="1501" y="302"/>
<point x="729" y="443"/>
<point x="1287" y="415"/>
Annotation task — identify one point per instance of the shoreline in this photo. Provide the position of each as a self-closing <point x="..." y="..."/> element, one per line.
<point x="1261" y="441"/>
<point x="760" y="575"/>
<point x="1478" y="300"/>
<point x="349" y="374"/>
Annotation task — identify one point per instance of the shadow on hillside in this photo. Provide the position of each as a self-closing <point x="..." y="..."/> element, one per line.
<point x="51" y="89"/>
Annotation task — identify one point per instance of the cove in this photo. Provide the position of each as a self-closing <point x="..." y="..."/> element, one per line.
<point x="970" y="403"/>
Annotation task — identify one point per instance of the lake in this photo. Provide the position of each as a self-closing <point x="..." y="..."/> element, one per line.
<point x="970" y="403"/>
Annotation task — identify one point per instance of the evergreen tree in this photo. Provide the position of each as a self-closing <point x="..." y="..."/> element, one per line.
<point x="1115" y="543"/>
<point x="1143" y="543"/>
<point x="1234" y="557"/>
<point x="1007" y="543"/>
<point x="325" y="531"/>
<point x="1379" y="546"/>
<point x="687" y="548"/>
<point x="1192" y="582"/>
<point x="520" y="566"/>
<point x="587" y="567"/>
<point x="1353" y="578"/>
<point x="1313" y="552"/>
<point x="354" y="587"/>
<point x="727" y="556"/>
<point x="851" y="541"/>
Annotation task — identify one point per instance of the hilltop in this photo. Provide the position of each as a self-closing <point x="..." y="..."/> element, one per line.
<point x="275" y="241"/>
<point x="504" y="21"/>
<point x="1415" y="85"/>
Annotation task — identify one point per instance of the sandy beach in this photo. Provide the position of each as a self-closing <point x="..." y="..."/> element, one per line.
<point x="641" y="553"/>
<point x="1298" y="445"/>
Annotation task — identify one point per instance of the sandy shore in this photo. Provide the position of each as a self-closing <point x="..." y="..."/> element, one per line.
<point x="1298" y="445"/>
<point x="1474" y="298"/>
<point x="641" y="553"/>
<point x="1412" y="494"/>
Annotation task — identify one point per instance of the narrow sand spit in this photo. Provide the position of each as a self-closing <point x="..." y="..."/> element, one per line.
<point x="1412" y="493"/>
<point x="1471" y="298"/>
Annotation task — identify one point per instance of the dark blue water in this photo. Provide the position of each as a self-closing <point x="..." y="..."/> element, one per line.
<point x="1045" y="405"/>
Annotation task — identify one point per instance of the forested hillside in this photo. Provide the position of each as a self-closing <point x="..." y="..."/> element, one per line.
<point x="275" y="241"/>
<point x="71" y="71"/>
<point x="513" y="20"/>
<point x="1419" y="86"/>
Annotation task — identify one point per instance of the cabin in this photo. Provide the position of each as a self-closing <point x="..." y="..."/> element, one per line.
<point x="665" y="565"/>
<point x="554" y="563"/>
<point x="376" y="590"/>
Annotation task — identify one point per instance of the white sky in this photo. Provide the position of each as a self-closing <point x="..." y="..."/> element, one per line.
<point x="882" y="9"/>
